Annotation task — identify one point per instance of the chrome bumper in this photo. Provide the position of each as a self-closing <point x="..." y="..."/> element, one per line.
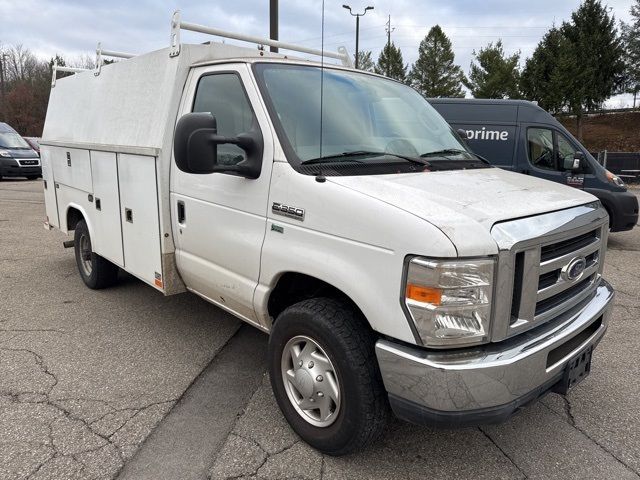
<point x="489" y="383"/>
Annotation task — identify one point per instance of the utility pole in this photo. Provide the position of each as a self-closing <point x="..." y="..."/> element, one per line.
<point x="273" y="22"/>
<point x="2" y="91"/>
<point x="357" y="15"/>
<point x="389" y="30"/>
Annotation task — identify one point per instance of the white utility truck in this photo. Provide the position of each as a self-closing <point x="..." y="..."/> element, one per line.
<point x="337" y="211"/>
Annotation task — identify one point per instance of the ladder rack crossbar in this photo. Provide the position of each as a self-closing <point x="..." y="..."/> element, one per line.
<point x="58" y="68"/>
<point x="194" y="27"/>
<point x="177" y="24"/>
<point x="112" y="53"/>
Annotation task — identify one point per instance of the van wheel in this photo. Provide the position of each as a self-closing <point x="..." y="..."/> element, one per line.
<point x="325" y="376"/>
<point x="96" y="272"/>
<point x="32" y="177"/>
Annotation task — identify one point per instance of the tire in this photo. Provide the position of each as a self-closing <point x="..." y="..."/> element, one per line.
<point x="95" y="271"/>
<point x="32" y="177"/>
<point x="341" y="335"/>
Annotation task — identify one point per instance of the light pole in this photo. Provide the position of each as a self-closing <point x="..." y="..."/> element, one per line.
<point x="2" y="92"/>
<point x="273" y="22"/>
<point x="357" y="15"/>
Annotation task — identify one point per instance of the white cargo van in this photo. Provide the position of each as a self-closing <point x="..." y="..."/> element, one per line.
<point x="337" y="211"/>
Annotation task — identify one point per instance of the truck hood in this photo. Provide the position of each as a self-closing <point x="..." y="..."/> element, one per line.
<point x="465" y="204"/>
<point x="20" y="152"/>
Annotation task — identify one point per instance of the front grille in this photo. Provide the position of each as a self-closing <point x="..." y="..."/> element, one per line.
<point x="543" y="287"/>
<point x="560" y="298"/>
<point x="29" y="163"/>
<point x="558" y="249"/>
<point x="547" y="279"/>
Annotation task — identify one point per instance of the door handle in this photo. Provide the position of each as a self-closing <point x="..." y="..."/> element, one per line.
<point x="181" y="212"/>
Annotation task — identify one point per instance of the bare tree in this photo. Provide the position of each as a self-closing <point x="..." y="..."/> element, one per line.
<point x="21" y="63"/>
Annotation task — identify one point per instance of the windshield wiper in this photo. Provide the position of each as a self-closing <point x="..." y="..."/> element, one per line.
<point x="454" y="151"/>
<point x="435" y="153"/>
<point x="362" y="153"/>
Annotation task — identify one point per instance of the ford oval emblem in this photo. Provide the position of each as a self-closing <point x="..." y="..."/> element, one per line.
<point x="573" y="270"/>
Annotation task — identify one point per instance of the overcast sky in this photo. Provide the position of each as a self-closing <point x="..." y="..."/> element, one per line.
<point x="73" y="27"/>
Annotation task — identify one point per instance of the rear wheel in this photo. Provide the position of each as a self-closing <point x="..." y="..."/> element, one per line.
<point x="325" y="376"/>
<point x="96" y="272"/>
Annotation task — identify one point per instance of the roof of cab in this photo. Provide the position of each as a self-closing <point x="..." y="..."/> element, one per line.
<point x="493" y="109"/>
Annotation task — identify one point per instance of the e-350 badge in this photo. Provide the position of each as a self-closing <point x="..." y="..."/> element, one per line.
<point x="288" y="211"/>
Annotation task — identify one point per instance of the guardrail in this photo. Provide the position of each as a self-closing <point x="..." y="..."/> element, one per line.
<point x="600" y="112"/>
<point x="624" y="164"/>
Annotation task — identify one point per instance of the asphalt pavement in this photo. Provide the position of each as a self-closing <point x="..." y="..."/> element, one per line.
<point x="127" y="383"/>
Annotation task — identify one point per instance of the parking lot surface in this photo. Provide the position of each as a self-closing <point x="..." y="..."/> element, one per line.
<point x="96" y="384"/>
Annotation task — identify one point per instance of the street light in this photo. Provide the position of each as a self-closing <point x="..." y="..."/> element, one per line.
<point x="357" y="15"/>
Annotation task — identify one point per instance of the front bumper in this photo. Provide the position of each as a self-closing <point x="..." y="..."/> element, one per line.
<point x="10" y="167"/>
<point x="489" y="383"/>
<point x="622" y="207"/>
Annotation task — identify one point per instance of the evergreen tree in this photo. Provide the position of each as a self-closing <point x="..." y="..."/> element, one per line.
<point x="391" y="64"/>
<point x="631" y="38"/>
<point x="592" y="65"/>
<point x="434" y="74"/>
<point x="541" y="79"/>
<point x="364" y="61"/>
<point x="495" y="75"/>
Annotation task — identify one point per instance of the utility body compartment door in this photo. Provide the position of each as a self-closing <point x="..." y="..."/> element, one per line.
<point x="50" y="200"/>
<point x="107" y="239"/>
<point x="72" y="167"/>
<point x="219" y="220"/>
<point x="139" y="217"/>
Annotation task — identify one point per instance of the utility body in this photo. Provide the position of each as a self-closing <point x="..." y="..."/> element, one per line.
<point x="390" y="266"/>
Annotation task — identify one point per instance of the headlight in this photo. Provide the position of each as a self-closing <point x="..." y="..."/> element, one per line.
<point x="613" y="178"/>
<point x="4" y="153"/>
<point x="450" y="300"/>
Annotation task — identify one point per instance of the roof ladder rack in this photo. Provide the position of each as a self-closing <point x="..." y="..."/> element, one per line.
<point x="100" y="53"/>
<point x="177" y="24"/>
<point x="59" y="68"/>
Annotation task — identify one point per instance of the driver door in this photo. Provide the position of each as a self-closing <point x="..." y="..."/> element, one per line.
<point x="219" y="219"/>
<point x="546" y="150"/>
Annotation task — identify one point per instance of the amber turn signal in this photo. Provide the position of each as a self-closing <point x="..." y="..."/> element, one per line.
<point x="424" y="294"/>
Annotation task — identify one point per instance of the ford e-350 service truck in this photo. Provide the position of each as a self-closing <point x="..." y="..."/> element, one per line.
<point x="337" y="211"/>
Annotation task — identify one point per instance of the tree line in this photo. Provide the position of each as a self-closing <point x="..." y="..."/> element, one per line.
<point x="574" y="69"/>
<point x="25" y="83"/>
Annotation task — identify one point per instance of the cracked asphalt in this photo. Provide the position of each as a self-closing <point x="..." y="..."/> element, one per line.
<point x="94" y="384"/>
<point x="85" y="376"/>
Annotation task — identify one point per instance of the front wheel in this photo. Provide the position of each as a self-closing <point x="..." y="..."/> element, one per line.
<point x="96" y="272"/>
<point x="325" y="376"/>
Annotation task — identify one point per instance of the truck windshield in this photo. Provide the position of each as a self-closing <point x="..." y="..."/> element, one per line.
<point x="12" y="140"/>
<point x="366" y="121"/>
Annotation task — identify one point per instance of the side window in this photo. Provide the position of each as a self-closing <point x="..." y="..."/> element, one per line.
<point x="566" y="151"/>
<point x="540" y="142"/>
<point x="224" y="97"/>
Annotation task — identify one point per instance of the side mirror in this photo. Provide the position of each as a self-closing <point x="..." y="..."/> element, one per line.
<point x="577" y="163"/>
<point x="195" y="147"/>
<point x="462" y="133"/>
